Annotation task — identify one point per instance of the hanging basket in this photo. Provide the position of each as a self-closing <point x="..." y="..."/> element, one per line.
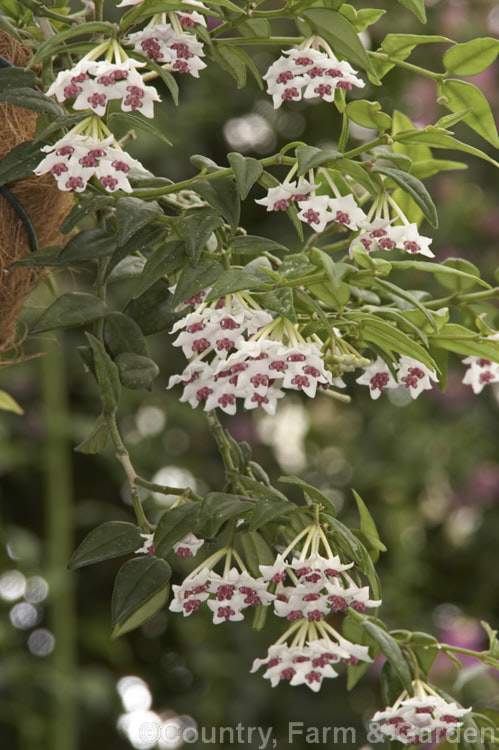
<point x="34" y="198"/>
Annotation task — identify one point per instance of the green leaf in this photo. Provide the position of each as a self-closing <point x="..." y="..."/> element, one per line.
<point x="69" y="311"/>
<point x="439" y="138"/>
<point x="461" y="340"/>
<point x="390" y="684"/>
<point x="258" y="27"/>
<point x="231" y="281"/>
<point x="267" y="510"/>
<point x="96" y="441"/>
<point x="427" y="168"/>
<point x="360" y="19"/>
<point x="217" y="508"/>
<point x="153" y="310"/>
<point x="140" y="122"/>
<point x="143" y="613"/>
<point x="390" y="338"/>
<point x="137" y="582"/>
<point x="229" y="60"/>
<point x="333" y="295"/>
<point x="122" y="334"/>
<point x="417" y="152"/>
<point x="401" y="46"/>
<point x="196" y="229"/>
<point x="415" y="188"/>
<point x="30" y="99"/>
<point x="91" y="244"/>
<point x="459" y="95"/>
<point x="256" y="551"/>
<point x="251" y="245"/>
<point x="340" y="34"/>
<point x="367" y="524"/>
<point x="110" y="540"/>
<point x="281" y="302"/>
<point x="315" y="495"/>
<point x="223" y="196"/>
<point x="128" y="268"/>
<point x="106" y="372"/>
<point x="417" y="7"/>
<point x="89" y="27"/>
<point x="449" y="269"/>
<point x="457" y="282"/>
<point x="391" y="650"/>
<point x="82" y="209"/>
<point x="193" y="280"/>
<point x="136" y="371"/>
<point x="20" y="162"/>
<point x="15" y="78"/>
<point x="142" y="241"/>
<point x="7" y="403"/>
<point x="163" y="261"/>
<point x="471" y="58"/>
<point x="368" y="114"/>
<point x="173" y="525"/>
<point x="309" y="157"/>
<point x="359" y="172"/>
<point x="246" y="171"/>
<point x="132" y="214"/>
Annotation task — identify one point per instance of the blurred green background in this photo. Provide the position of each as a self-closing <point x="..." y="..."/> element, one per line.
<point x="428" y="470"/>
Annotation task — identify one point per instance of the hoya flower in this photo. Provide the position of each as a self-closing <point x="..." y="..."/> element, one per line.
<point x="310" y="73"/>
<point x="424" y="717"/>
<point x="378" y="377"/>
<point x="188" y="545"/>
<point x="481" y="372"/>
<point x="238" y="351"/>
<point x="227" y="595"/>
<point x="381" y="234"/>
<point x="415" y="376"/>
<point x="310" y="663"/>
<point x="180" y="51"/>
<point x="148" y="546"/>
<point x="92" y="84"/>
<point x="315" y="211"/>
<point x="347" y="212"/>
<point x="75" y="159"/>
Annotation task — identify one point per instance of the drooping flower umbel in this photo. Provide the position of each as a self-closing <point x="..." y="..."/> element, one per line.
<point x="481" y="371"/>
<point x="412" y="374"/>
<point x="308" y="587"/>
<point x="238" y="351"/>
<point x="310" y="71"/>
<point x="91" y="84"/>
<point x="169" y="45"/>
<point x="75" y="158"/>
<point x="227" y="595"/>
<point x="423" y="717"/>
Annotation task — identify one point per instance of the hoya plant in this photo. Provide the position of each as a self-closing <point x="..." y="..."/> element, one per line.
<point x="360" y="296"/>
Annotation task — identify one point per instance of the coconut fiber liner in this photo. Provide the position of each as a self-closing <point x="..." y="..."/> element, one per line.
<point x="45" y="205"/>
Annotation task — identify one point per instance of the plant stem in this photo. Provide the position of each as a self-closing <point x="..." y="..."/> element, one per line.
<point x="124" y="458"/>
<point x="408" y="66"/>
<point x="243" y="40"/>
<point x="228" y="172"/>
<point x="223" y="446"/>
<point x="59" y="520"/>
<point x="457" y="298"/>
<point x="165" y="490"/>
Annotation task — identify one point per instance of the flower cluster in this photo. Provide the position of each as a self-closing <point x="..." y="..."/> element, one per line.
<point x="411" y="374"/>
<point x="226" y="595"/>
<point x="374" y="230"/>
<point x="381" y="234"/>
<point x="306" y="72"/>
<point x="186" y="547"/>
<point x="481" y="372"/>
<point x="92" y="84"/>
<point x="319" y="586"/>
<point x="310" y="661"/>
<point x="75" y="158"/>
<point x="425" y="717"/>
<point x="252" y="357"/>
<point x="179" y="51"/>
